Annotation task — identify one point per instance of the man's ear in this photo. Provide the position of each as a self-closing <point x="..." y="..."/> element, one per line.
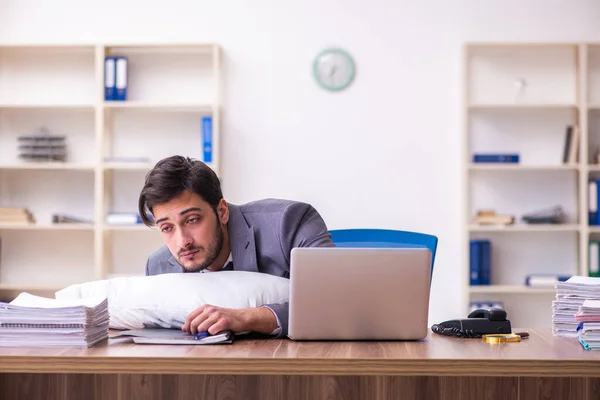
<point x="223" y="212"/>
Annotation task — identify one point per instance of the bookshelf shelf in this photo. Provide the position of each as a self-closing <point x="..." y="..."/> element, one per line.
<point x="171" y="87"/>
<point x="190" y="107"/>
<point x="519" y="106"/>
<point x="48" y="106"/>
<point x="520" y="167"/>
<point x="48" y="166"/>
<point x="524" y="228"/>
<point x="129" y="228"/>
<point x="127" y="166"/>
<point x="48" y="227"/>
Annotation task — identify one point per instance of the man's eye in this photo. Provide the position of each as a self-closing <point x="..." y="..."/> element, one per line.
<point x="165" y="229"/>
<point x="193" y="220"/>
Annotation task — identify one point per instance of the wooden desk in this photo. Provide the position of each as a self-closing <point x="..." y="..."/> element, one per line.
<point x="541" y="367"/>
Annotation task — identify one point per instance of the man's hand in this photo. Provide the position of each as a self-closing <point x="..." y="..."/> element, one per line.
<point x="216" y="319"/>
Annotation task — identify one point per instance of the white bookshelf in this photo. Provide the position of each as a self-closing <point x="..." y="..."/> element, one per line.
<point x="61" y="87"/>
<point x="562" y="88"/>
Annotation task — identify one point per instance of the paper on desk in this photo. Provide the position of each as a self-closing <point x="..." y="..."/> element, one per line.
<point x="570" y="297"/>
<point x="34" y="321"/>
<point x="171" y="336"/>
<point x="29" y="300"/>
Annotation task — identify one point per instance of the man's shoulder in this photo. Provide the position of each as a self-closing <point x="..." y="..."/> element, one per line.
<point x="272" y="205"/>
<point x="160" y="254"/>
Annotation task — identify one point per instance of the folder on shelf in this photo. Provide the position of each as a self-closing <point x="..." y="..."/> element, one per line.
<point x="511" y="158"/>
<point x="594" y="258"/>
<point x="207" y="139"/>
<point x="480" y="260"/>
<point x="545" y="280"/>
<point x="593" y="197"/>
<point x="121" y="78"/>
<point x="109" y="78"/>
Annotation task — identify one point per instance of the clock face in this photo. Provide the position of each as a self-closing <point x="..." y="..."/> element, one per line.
<point x="334" y="69"/>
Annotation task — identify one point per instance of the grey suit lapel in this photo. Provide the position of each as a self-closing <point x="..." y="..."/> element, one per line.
<point x="241" y="240"/>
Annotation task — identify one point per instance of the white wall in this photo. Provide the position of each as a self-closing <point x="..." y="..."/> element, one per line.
<point x="385" y="153"/>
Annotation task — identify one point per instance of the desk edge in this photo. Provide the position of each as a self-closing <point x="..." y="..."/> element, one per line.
<point x="300" y="366"/>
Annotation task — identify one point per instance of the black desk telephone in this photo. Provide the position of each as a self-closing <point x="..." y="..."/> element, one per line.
<point x="479" y="322"/>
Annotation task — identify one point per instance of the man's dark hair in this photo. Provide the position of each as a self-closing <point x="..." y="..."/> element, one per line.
<point x="172" y="176"/>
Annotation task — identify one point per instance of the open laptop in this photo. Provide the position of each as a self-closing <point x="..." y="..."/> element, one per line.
<point x="359" y="293"/>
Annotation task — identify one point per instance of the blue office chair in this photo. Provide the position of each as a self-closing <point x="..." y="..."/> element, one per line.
<point x="384" y="238"/>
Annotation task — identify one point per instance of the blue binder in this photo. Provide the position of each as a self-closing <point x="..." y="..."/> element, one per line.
<point x="207" y="139"/>
<point x="496" y="158"/>
<point x="121" y="78"/>
<point x="480" y="261"/>
<point x="109" y="78"/>
<point x="474" y="262"/>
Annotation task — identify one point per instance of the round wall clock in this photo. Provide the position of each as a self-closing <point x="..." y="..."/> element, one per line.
<point x="334" y="69"/>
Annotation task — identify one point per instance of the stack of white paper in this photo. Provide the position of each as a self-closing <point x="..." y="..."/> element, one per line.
<point x="570" y="296"/>
<point x="588" y="331"/>
<point x="33" y="321"/>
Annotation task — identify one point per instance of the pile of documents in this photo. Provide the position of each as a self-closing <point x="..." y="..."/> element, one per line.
<point x="33" y="321"/>
<point x="570" y="297"/>
<point x="42" y="146"/>
<point x="588" y="330"/>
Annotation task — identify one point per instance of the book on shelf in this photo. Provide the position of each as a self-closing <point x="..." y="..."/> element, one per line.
<point x="490" y="217"/>
<point x="511" y="158"/>
<point x="69" y="219"/>
<point x="552" y="215"/>
<point x="571" y="147"/>
<point x="16" y="215"/>
<point x="42" y="146"/>
<point x="123" y="218"/>
<point x="34" y="321"/>
<point x="545" y="280"/>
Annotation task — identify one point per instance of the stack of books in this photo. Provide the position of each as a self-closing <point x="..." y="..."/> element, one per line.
<point x="490" y="217"/>
<point x="588" y="330"/>
<point x="570" y="296"/>
<point x="16" y="215"/>
<point x="33" y="321"/>
<point x="42" y="147"/>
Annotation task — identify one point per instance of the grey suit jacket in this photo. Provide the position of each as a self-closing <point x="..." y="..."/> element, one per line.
<point x="262" y="235"/>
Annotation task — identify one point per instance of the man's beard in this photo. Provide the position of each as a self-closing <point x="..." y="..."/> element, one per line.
<point x="214" y="249"/>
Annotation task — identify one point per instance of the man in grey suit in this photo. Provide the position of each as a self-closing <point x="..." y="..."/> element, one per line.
<point x="203" y="233"/>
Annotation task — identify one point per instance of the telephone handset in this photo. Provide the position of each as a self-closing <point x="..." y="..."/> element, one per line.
<point x="482" y="321"/>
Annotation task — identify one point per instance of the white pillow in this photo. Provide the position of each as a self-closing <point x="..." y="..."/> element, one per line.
<point x="166" y="300"/>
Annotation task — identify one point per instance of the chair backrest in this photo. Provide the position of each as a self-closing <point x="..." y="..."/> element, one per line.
<point x="384" y="238"/>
